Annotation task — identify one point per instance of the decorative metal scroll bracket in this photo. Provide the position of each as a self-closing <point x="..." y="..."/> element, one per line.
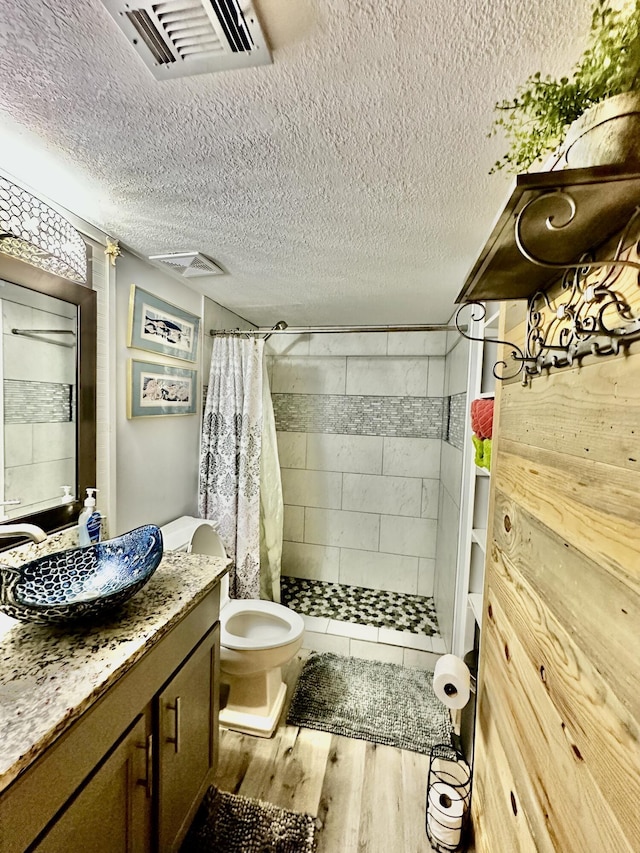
<point x="501" y="369"/>
<point x="589" y="314"/>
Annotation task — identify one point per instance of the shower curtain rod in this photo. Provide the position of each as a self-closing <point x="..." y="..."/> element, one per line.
<point x="281" y="328"/>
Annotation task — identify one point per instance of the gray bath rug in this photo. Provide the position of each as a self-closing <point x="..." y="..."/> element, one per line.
<point x="226" y="823"/>
<point x="380" y="702"/>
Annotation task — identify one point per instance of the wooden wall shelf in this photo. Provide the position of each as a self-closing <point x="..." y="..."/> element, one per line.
<point x="605" y="198"/>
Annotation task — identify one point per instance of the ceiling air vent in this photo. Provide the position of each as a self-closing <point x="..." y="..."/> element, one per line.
<point x="179" y="38"/>
<point x="188" y="264"/>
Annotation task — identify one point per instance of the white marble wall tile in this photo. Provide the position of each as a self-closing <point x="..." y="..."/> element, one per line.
<point x="325" y="643"/>
<point x="28" y="358"/>
<point x="293" y="525"/>
<point x="302" y="560"/>
<point x="420" y="660"/>
<point x="356" y="343"/>
<point x="444" y="590"/>
<point x="18" y="444"/>
<point x="31" y="482"/>
<point x="342" y="529"/>
<point x="287" y="345"/>
<point x="387" y="377"/>
<point x="413" y="537"/>
<point x="405" y="639"/>
<point x="319" y="624"/>
<point x="439" y="645"/>
<point x="311" y="488"/>
<point x="53" y="441"/>
<point x="375" y="493"/>
<point x="351" y="629"/>
<point x="309" y="375"/>
<point x="430" y="490"/>
<point x="426" y="575"/>
<point x="435" y="384"/>
<point x="359" y="454"/>
<point x="389" y="572"/>
<point x="451" y="471"/>
<point x="376" y="651"/>
<point x="448" y="518"/>
<point x="41" y="313"/>
<point x="292" y="449"/>
<point x="16" y="316"/>
<point x="412" y="457"/>
<point x="25" y="358"/>
<point x="417" y="343"/>
<point x="457" y="368"/>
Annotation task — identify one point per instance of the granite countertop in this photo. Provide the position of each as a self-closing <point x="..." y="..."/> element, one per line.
<point x="50" y="675"/>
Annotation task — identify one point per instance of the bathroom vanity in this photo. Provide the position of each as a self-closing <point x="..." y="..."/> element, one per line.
<point x="108" y="734"/>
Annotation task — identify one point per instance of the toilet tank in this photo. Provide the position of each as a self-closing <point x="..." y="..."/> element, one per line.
<point x="196" y="536"/>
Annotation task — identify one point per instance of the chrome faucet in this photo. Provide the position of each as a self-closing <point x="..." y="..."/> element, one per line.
<point x="31" y="531"/>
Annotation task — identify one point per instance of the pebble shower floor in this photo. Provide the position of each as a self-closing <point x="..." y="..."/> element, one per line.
<point x="374" y="607"/>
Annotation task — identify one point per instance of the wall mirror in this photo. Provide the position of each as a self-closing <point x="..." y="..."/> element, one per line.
<point x="47" y="395"/>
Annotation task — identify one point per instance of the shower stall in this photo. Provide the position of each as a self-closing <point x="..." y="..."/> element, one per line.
<point x="370" y="423"/>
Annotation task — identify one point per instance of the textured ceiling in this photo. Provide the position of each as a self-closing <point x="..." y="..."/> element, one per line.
<point x="345" y="183"/>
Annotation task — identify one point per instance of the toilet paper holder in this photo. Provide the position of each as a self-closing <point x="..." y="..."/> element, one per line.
<point x="448" y="799"/>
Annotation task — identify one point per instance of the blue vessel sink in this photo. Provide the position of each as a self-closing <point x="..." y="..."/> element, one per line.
<point x="79" y="583"/>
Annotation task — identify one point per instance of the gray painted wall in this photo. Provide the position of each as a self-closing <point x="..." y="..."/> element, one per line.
<point x="156" y="457"/>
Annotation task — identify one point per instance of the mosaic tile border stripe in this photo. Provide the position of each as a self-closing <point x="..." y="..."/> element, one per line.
<point x="27" y="402"/>
<point x="406" y="417"/>
<point x="377" y="608"/>
<point x="456" y="421"/>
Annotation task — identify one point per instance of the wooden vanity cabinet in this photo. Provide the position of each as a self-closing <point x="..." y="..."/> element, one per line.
<point x="112" y="811"/>
<point x="128" y="776"/>
<point x="187" y="712"/>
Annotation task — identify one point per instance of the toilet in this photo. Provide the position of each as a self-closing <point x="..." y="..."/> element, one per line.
<point x="257" y="638"/>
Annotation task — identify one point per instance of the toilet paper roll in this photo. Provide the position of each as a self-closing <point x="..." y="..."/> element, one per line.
<point x="445" y="811"/>
<point x="454" y="773"/>
<point x="452" y="682"/>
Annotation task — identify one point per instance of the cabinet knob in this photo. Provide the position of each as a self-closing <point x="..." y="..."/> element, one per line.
<point x="175" y="707"/>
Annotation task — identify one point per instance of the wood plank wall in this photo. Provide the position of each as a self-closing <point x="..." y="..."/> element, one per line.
<point x="557" y="764"/>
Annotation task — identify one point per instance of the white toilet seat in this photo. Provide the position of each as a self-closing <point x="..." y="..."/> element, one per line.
<point x="255" y="624"/>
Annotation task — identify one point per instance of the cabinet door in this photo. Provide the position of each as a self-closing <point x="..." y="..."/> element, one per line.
<point x="188" y="722"/>
<point x="111" y="812"/>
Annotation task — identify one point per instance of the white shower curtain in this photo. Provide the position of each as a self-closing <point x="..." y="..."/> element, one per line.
<point x="271" y="503"/>
<point x="234" y="458"/>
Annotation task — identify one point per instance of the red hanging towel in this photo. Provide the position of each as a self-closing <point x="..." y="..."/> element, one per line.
<point x="482" y="417"/>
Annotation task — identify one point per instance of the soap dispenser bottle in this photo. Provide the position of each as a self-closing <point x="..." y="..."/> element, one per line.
<point x="89" y="521"/>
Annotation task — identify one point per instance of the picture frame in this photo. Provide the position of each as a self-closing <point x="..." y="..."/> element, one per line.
<point x="160" y="327"/>
<point x="154" y="388"/>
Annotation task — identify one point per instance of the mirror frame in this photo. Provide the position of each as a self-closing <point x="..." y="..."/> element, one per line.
<point x="85" y="300"/>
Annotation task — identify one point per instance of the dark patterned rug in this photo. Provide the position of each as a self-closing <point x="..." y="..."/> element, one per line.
<point x="226" y="823"/>
<point x="380" y="702"/>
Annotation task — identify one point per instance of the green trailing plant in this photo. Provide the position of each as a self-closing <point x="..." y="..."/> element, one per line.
<point x="536" y="120"/>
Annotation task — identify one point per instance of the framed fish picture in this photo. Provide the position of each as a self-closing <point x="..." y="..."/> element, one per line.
<point x="160" y="389"/>
<point x="158" y="326"/>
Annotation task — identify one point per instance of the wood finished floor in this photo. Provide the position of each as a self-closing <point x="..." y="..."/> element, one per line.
<point x="366" y="798"/>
